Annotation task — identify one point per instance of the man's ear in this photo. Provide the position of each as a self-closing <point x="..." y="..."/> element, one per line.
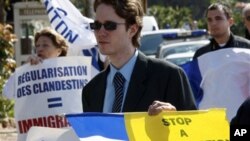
<point x="132" y="30"/>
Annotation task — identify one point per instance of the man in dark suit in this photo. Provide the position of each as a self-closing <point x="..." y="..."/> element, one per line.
<point x="132" y="82"/>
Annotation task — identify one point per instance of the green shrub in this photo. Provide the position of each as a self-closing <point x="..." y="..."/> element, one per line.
<point x="7" y="66"/>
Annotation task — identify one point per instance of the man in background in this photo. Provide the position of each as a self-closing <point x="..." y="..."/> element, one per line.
<point x="219" y="21"/>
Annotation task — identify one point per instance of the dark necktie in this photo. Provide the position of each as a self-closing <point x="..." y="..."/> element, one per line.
<point x="118" y="82"/>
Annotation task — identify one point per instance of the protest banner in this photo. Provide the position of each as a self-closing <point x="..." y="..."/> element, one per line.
<point x="44" y="92"/>
<point x="202" y="125"/>
<point x="66" y="19"/>
<point x="220" y="79"/>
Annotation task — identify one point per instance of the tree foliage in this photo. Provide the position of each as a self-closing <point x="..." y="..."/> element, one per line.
<point x="174" y="17"/>
<point x="7" y="66"/>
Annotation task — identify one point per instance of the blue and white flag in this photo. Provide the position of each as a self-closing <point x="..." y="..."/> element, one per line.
<point x="66" y="19"/>
<point x="220" y="79"/>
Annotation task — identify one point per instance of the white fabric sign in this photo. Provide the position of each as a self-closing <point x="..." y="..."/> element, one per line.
<point x="226" y="79"/>
<point x="44" y="92"/>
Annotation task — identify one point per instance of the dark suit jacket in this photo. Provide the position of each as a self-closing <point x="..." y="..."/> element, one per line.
<point x="151" y="80"/>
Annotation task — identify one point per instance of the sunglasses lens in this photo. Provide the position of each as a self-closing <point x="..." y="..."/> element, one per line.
<point x="95" y="25"/>
<point x="110" y="25"/>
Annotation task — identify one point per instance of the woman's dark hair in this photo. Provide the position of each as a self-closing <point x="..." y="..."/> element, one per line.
<point x="56" y="39"/>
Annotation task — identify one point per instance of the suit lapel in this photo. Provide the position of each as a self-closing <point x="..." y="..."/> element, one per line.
<point x="136" y="86"/>
<point x="100" y="92"/>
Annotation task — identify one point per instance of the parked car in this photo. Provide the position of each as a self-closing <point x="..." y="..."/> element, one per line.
<point x="182" y="52"/>
<point x="152" y="40"/>
<point x="149" y="23"/>
<point x="180" y="58"/>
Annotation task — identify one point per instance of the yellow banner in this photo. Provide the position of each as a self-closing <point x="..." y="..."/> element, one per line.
<point x="200" y="125"/>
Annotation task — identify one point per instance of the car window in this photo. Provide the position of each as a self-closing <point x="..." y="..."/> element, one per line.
<point x="180" y="49"/>
<point x="180" y="58"/>
<point x="150" y="43"/>
<point x="180" y="61"/>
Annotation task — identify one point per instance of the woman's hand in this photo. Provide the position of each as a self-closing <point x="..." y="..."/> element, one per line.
<point x="157" y="106"/>
<point x="34" y="60"/>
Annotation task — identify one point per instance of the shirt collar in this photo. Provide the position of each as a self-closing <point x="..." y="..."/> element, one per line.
<point x="227" y="44"/>
<point x="126" y="69"/>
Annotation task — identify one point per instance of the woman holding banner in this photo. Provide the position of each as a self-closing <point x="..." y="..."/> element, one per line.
<point x="48" y="44"/>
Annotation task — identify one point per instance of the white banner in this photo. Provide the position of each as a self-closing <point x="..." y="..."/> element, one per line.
<point x="44" y="92"/>
<point x="220" y="79"/>
<point x="66" y="19"/>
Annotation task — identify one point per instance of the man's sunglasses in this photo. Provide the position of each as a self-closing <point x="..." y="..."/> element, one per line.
<point x="109" y="25"/>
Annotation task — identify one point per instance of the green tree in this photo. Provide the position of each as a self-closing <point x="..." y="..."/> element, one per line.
<point x="176" y="16"/>
<point x="7" y="66"/>
<point x="173" y="16"/>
